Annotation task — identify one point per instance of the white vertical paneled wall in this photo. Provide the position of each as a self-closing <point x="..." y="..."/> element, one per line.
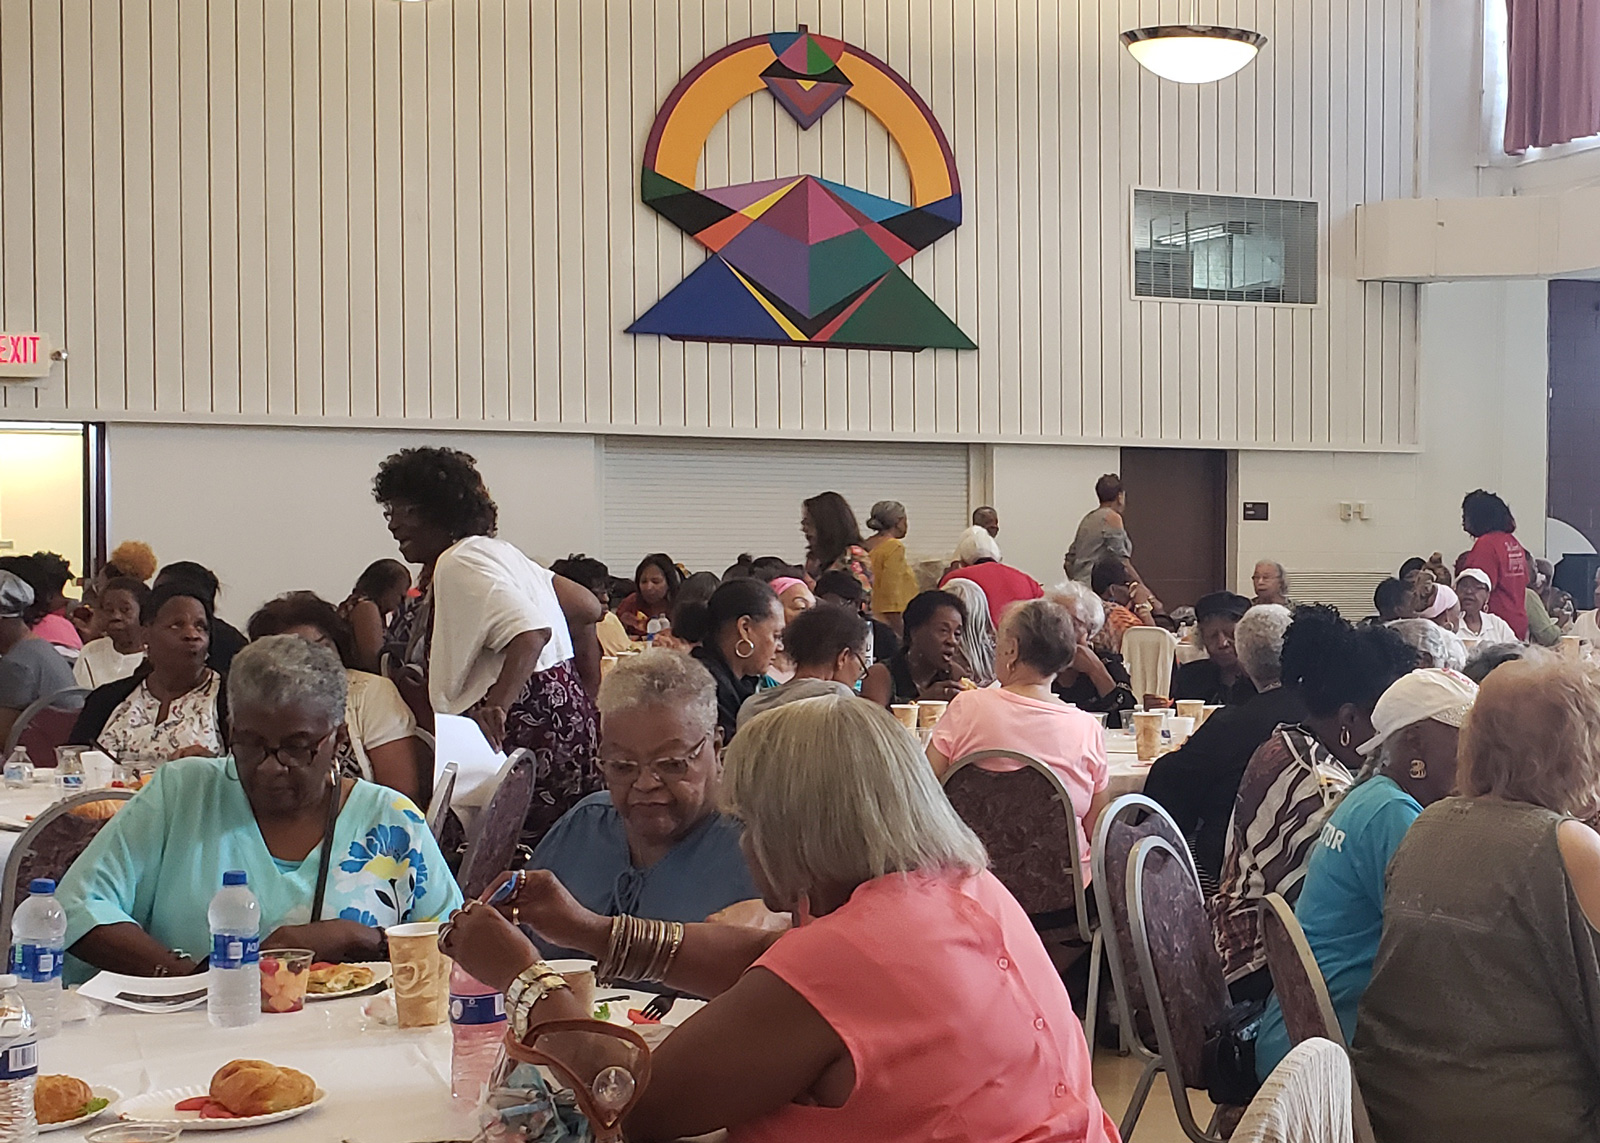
<point x="369" y="212"/>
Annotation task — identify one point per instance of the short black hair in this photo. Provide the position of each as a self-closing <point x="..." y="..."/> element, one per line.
<point x="1389" y="596"/>
<point x="197" y="576"/>
<point x="1483" y="512"/>
<point x="1414" y="564"/>
<point x="1484" y="659"/>
<point x="134" y="587"/>
<point x="585" y="571"/>
<point x="381" y="576"/>
<point x="57" y="571"/>
<point x="770" y="568"/>
<point x="840" y="585"/>
<point x="925" y="606"/>
<point x="733" y="600"/>
<point x="819" y="635"/>
<point x="1332" y="662"/>
<point x="1219" y="604"/>
<point x="304" y="609"/>
<point x="445" y="487"/>
<point x="164" y="593"/>
<point x="1108" y="487"/>
<point x="1107" y="571"/>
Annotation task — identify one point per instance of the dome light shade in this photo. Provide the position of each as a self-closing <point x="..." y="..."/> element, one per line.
<point x="1192" y="53"/>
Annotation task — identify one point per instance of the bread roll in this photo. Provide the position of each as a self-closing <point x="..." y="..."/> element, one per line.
<point x="255" y="1087"/>
<point x="57" y="1099"/>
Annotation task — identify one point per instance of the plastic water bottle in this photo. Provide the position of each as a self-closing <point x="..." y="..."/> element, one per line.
<point x="234" y="984"/>
<point x="38" y="939"/>
<point x="19" y="769"/>
<point x="19" y="1066"/>
<point x="477" y="1026"/>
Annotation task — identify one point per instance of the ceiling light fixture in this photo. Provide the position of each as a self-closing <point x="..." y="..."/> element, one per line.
<point x="1192" y="52"/>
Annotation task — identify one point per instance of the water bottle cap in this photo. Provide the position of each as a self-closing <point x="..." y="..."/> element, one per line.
<point x="8" y="980"/>
<point x="234" y="877"/>
<point x="40" y="886"/>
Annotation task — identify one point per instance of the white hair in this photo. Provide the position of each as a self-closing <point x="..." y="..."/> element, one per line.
<point x="977" y="633"/>
<point x="1087" y="609"/>
<point x="833" y="791"/>
<point x="277" y="670"/>
<point x="660" y="677"/>
<point x="976" y="544"/>
<point x="1258" y="641"/>
<point x="1283" y="576"/>
<point x="1443" y="648"/>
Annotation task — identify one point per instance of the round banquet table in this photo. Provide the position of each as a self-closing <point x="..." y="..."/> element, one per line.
<point x="1126" y="773"/>
<point x="19" y="807"/>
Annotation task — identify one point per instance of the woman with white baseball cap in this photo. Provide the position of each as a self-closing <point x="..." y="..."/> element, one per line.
<point x="1473" y="586"/>
<point x="1411" y="763"/>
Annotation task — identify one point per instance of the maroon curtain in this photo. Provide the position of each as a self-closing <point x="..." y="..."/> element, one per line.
<point x="1553" y="72"/>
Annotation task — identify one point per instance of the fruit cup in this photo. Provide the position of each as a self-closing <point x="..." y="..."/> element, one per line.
<point x="284" y="976"/>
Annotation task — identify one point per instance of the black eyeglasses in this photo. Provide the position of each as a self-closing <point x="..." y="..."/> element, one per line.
<point x="252" y="754"/>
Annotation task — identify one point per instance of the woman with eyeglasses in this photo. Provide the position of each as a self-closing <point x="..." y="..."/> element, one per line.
<point x="331" y="860"/>
<point x="652" y="843"/>
<point x="828" y="645"/>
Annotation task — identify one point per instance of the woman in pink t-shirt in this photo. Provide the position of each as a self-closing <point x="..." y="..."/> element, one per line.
<point x="911" y="1001"/>
<point x="1037" y="641"/>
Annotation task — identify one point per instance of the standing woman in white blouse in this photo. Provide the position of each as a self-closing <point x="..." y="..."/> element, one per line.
<point x="491" y="630"/>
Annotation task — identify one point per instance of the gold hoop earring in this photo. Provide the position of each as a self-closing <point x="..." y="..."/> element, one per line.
<point x="1419" y="769"/>
<point x="744" y="641"/>
<point x="1344" y="737"/>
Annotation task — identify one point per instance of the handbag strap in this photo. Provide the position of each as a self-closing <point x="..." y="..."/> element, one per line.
<point x="327" y="848"/>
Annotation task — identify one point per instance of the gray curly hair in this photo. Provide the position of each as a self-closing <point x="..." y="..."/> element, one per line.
<point x="278" y="670"/>
<point x="660" y="677"/>
<point x="1258" y="639"/>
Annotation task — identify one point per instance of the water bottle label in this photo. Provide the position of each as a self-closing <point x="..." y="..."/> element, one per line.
<point x="19" y="1061"/>
<point x="490" y="1009"/>
<point x="230" y="950"/>
<point x="70" y="783"/>
<point x="36" y="964"/>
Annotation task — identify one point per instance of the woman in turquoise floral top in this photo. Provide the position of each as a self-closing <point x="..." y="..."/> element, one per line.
<point x="136" y="899"/>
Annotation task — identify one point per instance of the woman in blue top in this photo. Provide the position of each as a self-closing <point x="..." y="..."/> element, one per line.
<point x="332" y="861"/>
<point x="1412" y="764"/>
<point x="652" y="844"/>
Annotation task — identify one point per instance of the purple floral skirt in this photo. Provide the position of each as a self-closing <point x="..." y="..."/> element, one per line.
<point x="556" y="721"/>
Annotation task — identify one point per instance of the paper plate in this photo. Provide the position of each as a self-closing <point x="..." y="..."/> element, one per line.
<point x="100" y="1092"/>
<point x="381" y="972"/>
<point x="159" y="1107"/>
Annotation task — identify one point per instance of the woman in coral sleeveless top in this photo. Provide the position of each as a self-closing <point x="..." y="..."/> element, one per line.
<point x="912" y="1001"/>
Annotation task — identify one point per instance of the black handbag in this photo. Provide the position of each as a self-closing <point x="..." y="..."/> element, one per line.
<point x="1229" y="1055"/>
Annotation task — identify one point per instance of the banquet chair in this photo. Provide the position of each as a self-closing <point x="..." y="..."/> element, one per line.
<point x="45" y="724"/>
<point x="1306" y="1099"/>
<point x="49" y="846"/>
<point x="439" y="806"/>
<point x="493" y="841"/>
<point x="1148" y="653"/>
<point x="1302" y="992"/>
<point x="1179" y="968"/>
<point x="1026" y="821"/>
<point x="1122" y="825"/>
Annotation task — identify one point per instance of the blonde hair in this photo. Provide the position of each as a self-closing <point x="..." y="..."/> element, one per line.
<point x="833" y="791"/>
<point x="1533" y="735"/>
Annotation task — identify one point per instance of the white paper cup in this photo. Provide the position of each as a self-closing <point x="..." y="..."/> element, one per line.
<point x="1180" y="729"/>
<point x="906" y="712"/>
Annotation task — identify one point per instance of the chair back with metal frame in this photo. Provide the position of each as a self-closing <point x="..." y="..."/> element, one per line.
<point x="493" y="841"/>
<point x="1179" y="967"/>
<point x="1026" y="821"/>
<point x="1121" y="826"/>
<point x="1302" y="992"/>
<point x="49" y="846"/>
<point x="45" y="724"/>
<point x="439" y="807"/>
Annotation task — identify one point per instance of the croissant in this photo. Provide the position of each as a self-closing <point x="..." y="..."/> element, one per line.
<point x="255" y="1087"/>
<point x="57" y="1099"/>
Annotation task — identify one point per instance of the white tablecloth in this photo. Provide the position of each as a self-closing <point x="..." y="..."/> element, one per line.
<point x="384" y="1085"/>
<point x="18" y="806"/>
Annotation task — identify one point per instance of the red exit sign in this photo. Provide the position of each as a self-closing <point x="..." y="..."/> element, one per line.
<point x="24" y="355"/>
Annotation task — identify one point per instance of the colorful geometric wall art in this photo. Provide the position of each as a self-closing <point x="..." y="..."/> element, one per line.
<point x="801" y="260"/>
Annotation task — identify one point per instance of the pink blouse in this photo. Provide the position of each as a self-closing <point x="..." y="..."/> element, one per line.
<point x="58" y="629"/>
<point x="959" y="1026"/>
<point x="1063" y="737"/>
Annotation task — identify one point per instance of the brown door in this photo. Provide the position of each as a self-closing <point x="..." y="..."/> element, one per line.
<point x="1176" y="518"/>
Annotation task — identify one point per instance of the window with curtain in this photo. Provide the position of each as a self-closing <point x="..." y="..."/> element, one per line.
<point x="1552" y="72"/>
